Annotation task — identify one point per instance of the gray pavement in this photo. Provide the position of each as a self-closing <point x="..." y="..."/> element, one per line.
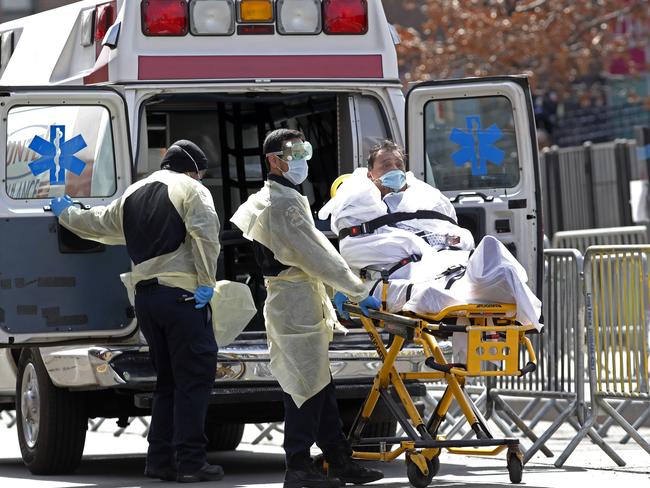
<point x="117" y="462"/>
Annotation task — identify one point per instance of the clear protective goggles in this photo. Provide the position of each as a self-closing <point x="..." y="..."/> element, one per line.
<point x="295" y="150"/>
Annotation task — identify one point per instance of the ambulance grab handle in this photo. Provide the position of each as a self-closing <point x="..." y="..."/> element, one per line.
<point x="469" y="194"/>
<point x="82" y="206"/>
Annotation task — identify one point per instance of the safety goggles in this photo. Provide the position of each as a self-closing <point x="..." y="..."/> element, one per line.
<point x="295" y="150"/>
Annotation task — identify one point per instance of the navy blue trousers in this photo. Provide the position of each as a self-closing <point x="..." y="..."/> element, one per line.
<point x="316" y="421"/>
<point x="184" y="354"/>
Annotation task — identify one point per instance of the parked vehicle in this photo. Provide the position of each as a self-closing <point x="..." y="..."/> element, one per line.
<point x="92" y="93"/>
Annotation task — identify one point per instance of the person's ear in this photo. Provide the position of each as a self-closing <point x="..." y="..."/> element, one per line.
<point x="270" y="158"/>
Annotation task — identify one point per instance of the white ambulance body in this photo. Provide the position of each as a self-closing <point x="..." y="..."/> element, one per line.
<point x="90" y="96"/>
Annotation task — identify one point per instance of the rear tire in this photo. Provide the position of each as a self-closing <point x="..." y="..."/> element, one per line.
<point x="51" y="421"/>
<point x="416" y="477"/>
<point x="223" y="437"/>
<point x="515" y="467"/>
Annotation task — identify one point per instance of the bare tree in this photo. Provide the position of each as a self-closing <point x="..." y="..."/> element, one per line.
<point x="556" y="42"/>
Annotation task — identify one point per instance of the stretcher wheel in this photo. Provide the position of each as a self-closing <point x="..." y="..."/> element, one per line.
<point x="515" y="467"/>
<point x="416" y="477"/>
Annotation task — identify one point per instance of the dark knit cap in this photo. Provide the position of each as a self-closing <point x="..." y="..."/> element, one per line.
<point x="184" y="157"/>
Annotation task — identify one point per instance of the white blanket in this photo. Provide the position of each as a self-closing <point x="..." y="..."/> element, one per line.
<point x="492" y="274"/>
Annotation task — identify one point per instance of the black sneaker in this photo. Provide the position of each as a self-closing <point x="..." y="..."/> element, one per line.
<point x="308" y="477"/>
<point x="353" y="473"/>
<point x="209" y="472"/>
<point x="166" y="474"/>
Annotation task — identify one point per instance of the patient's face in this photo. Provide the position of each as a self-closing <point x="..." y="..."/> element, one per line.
<point x="385" y="161"/>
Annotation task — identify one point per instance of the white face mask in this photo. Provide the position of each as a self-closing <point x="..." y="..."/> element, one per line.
<point x="297" y="172"/>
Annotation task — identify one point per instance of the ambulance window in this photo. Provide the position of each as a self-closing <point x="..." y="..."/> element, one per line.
<point x="471" y="143"/>
<point x="58" y="149"/>
<point x="374" y="127"/>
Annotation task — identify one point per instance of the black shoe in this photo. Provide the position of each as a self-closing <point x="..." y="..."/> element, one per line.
<point x="308" y="477"/>
<point x="165" y="474"/>
<point x="209" y="472"/>
<point x="353" y="473"/>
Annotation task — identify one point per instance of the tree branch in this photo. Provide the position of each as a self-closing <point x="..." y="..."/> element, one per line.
<point x="605" y="18"/>
<point x="530" y="6"/>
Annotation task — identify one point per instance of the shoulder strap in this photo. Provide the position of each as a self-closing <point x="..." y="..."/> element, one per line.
<point x="391" y="219"/>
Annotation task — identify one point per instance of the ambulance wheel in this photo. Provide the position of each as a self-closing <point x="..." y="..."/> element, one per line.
<point x="51" y="422"/>
<point x="223" y="437"/>
<point x="515" y="467"/>
<point x="416" y="477"/>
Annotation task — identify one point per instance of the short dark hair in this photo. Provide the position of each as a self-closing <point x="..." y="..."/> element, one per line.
<point x="385" y="145"/>
<point x="276" y="138"/>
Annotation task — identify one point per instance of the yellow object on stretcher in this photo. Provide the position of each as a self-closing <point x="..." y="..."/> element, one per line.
<point x="423" y="444"/>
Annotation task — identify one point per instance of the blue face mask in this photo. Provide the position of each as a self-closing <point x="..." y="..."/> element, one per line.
<point x="395" y="179"/>
<point x="297" y="172"/>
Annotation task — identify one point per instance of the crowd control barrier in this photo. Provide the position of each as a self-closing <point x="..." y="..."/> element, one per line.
<point x="558" y="383"/>
<point x="617" y="302"/>
<point x="582" y="239"/>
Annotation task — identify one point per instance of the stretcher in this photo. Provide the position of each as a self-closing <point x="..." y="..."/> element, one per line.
<point x="493" y="335"/>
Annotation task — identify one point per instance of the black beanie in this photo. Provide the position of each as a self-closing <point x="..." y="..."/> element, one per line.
<point x="184" y="157"/>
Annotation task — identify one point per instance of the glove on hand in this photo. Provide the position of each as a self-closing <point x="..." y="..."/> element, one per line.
<point x="202" y="296"/>
<point x="59" y="204"/>
<point x="339" y="299"/>
<point x="369" y="302"/>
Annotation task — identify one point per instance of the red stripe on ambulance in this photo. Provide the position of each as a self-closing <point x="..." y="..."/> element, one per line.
<point x="229" y="67"/>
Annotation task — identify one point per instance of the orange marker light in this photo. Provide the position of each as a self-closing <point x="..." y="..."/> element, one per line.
<point x="256" y="11"/>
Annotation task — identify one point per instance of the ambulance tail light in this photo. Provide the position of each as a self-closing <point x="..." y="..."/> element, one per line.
<point x="212" y="17"/>
<point x="299" y="16"/>
<point x="345" y="16"/>
<point x="164" y="17"/>
<point x="104" y="18"/>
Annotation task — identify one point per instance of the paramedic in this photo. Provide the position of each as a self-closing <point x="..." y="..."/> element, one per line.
<point x="170" y="229"/>
<point x="297" y="260"/>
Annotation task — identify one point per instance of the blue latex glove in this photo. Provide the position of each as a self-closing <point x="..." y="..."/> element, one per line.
<point x="369" y="302"/>
<point x="59" y="204"/>
<point x="339" y="299"/>
<point x="202" y="296"/>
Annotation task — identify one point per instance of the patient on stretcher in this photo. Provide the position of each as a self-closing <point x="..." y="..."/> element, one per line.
<point x="388" y="219"/>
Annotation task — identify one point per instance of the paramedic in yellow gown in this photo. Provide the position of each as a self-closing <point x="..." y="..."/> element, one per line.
<point x="297" y="260"/>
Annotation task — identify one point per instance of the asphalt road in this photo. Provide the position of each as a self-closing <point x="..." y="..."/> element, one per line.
<point x="112" y="462"/>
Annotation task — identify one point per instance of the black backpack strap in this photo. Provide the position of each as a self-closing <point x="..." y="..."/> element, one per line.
<point x="392" y="219"/>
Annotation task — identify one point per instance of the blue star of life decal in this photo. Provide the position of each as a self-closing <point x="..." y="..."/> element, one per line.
<point x="477" y="145"/>
<point x="57" y="155"/>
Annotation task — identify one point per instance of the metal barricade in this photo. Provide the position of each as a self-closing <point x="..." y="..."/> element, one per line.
<point x="558" y="382"/>
<point x="617" y="302"/>
<point x="582" y="239"/>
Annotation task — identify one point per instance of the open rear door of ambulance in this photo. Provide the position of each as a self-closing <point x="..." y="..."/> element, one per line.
<point x="475" y="140"/>
<point x="56" y="288"/>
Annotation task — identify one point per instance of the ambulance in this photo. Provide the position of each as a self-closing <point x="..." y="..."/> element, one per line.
<point x="91" y="94"/>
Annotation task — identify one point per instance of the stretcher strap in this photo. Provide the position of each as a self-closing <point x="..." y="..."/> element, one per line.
<point x="385" y="273"/>
<point x="392" y="219"/>
<point x="453" y="274"/>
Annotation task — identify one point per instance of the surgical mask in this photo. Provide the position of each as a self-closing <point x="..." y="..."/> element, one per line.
<point x="395" y="179"/>
<point x="297" y="172"/>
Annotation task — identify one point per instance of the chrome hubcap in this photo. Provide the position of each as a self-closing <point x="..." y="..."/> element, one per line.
<point x="30" y="406"/>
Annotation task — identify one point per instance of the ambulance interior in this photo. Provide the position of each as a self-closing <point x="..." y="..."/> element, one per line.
<point x="230" y="128"/>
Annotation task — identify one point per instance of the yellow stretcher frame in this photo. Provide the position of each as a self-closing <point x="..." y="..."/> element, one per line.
<point x="423" y="446"/>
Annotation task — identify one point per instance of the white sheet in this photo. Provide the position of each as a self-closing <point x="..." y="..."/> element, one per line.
<point x="492" y="275"/>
